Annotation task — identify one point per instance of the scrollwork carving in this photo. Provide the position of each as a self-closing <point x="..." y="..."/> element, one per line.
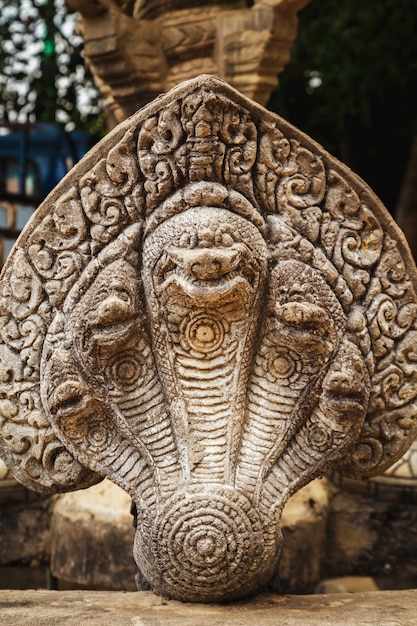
<point x="159" y="140"/>
<point x="211" y="311"/>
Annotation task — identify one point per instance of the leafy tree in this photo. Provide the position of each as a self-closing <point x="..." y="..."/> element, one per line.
<point x="352" y="85"/>
<point x="42" y="71"/>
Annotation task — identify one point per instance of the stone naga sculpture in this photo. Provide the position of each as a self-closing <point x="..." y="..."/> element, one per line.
<point x="211" y="311"/>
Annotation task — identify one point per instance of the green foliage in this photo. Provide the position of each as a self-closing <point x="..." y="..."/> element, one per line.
<point x="352" y="85"/>
<point x="42" y="72"/>
<point x="48" y="48"/>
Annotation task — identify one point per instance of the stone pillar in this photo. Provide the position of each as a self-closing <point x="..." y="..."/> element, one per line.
<point x="140" y="49"/>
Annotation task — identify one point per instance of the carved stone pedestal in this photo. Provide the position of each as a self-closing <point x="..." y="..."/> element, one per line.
<point x="92" y="536"/>
<point x="142" y="609"/>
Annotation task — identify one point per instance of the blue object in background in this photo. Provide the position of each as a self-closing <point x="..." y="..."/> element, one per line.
<point x="34" y="159"/>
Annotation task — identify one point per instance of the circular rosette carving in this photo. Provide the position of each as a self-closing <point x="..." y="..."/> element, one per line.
<point x="284" y="364"/>
<point x="203" y="333"/>
<point x="125" y="369"/>
<point x="319" y="438"/>
<point x="208" y="546"/>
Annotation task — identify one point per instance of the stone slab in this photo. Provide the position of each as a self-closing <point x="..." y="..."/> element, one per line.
<point x="48" y="608"/>
<point x="24" y="532"/>
<point x="371" y="537"/>
<point x="92" y="538"/>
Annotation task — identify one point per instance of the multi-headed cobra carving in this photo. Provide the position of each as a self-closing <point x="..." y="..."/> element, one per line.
<point x="211" y="311"/>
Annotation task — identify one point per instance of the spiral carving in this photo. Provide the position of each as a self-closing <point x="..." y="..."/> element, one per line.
<point x="204" y="334"/>
<point x="125" y="369"/>
<point x="208" y="544"/>
<point x="284" y="364"/>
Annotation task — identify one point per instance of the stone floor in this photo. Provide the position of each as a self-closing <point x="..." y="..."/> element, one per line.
<point x="98" y="608"/>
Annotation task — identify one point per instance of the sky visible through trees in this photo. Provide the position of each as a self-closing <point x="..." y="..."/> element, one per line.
<point x="42" y="71"/>
<point x="351" y="83"/>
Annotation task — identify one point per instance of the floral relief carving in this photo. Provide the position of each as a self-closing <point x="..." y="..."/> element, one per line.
<point x="211" y="311"/>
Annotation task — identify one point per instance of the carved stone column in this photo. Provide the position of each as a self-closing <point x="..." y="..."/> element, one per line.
<point x="211" y="311"/>
<point x="137" y="50"/>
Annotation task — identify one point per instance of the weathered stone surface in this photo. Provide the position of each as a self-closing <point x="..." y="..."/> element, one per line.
<point x="25" y="532"/>
<point x="304" y="526"/>
<point x="48" y="608"/>
<point x="211" y="311"/>
<point x="91" y="538"/>
<point x="138" y="50"/>
<point x="372" y="537"/>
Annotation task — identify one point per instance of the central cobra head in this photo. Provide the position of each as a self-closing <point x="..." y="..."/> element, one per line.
<point x="204" y="273"/>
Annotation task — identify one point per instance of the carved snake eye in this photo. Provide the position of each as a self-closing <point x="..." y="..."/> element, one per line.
<point x="113" y="310"/>
<point x="223" y="237"/>
<point x="305" y="317"/>
<point x="188" y="240"/>
<point x="68" y="397"/>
